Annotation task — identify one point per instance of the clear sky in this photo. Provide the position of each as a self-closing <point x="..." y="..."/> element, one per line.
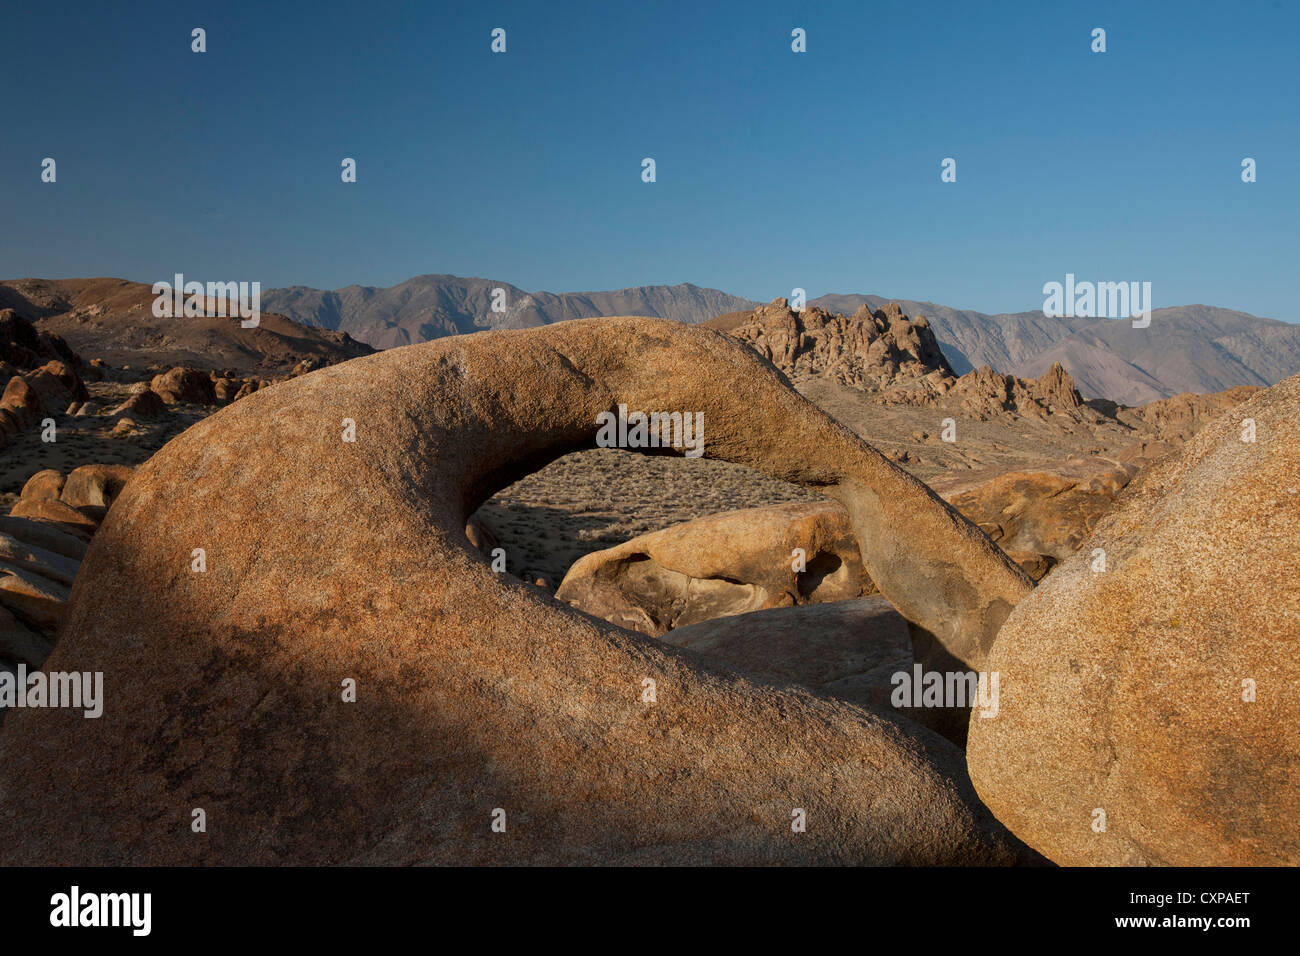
<point x="774" y="170"/>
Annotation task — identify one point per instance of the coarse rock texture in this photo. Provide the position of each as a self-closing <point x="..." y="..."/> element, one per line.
<point x="850" y="650"/>
<point x="329" y="560"/>
<point x="723" y="564"/>
<point x="1126" y="690"/>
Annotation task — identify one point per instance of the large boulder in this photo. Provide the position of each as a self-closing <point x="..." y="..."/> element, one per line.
<point x="58" y="385"/>
<point x="32" y="596"/>
<point x="1150" y="711"/>
<point x="95" y="486"/>
<point x="869" y="350"/>
<point x="850" y="650"/>
<point x="45" y="485"/>
<point x="347" y="680"/>
<point x="730" y="563"/>
<point x="144" y="402"/>
<point x="58" y="513"/>
<point x="183" y="385"/>
<point x="22" y="402"/>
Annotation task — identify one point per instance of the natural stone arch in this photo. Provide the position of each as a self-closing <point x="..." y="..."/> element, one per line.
<point x="329" y="560"/>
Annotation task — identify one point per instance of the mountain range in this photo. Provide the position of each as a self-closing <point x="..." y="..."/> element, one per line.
<point x="1192" y="348"/>
<point x="431" y="306"/>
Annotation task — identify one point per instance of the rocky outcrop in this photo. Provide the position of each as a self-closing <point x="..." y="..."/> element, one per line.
<point x="95" y="486"/>
<point x="89" y="488"/>
<point x="1175" y="420"/>
<point x="1051" y="509"/>
<point x="1149" y="709"/>
<point x="21" y="404"/>
<point x="57" y="385"/>
<point x="45" y="485"/>
<point x="897" y="361"/>
<point x="984" y="394"/>
<point x="730" y="563"/>
<point x="31" y="397"/>
<point x="229" y="385"/>
<point x="40" y="372"/>
<point x="868" y="350"/>
<point x="334" y="566"/>
<point x="184" y="386"/>
<point x="143" y="403"/>
<point x="114" y="320"/>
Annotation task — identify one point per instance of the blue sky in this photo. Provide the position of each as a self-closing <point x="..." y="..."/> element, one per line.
<point x="775" y="170"/>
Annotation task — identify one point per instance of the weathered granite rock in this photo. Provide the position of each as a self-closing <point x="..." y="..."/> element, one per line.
<point x="722" y="564"/>
<point x="45" y="485"/>
<point x="95" y="485"/>
<point x="330" y="561"/>
<point x="1164" y="691"/>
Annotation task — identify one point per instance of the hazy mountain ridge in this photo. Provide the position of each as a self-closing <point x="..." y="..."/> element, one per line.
<point x="430" y="306"/>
